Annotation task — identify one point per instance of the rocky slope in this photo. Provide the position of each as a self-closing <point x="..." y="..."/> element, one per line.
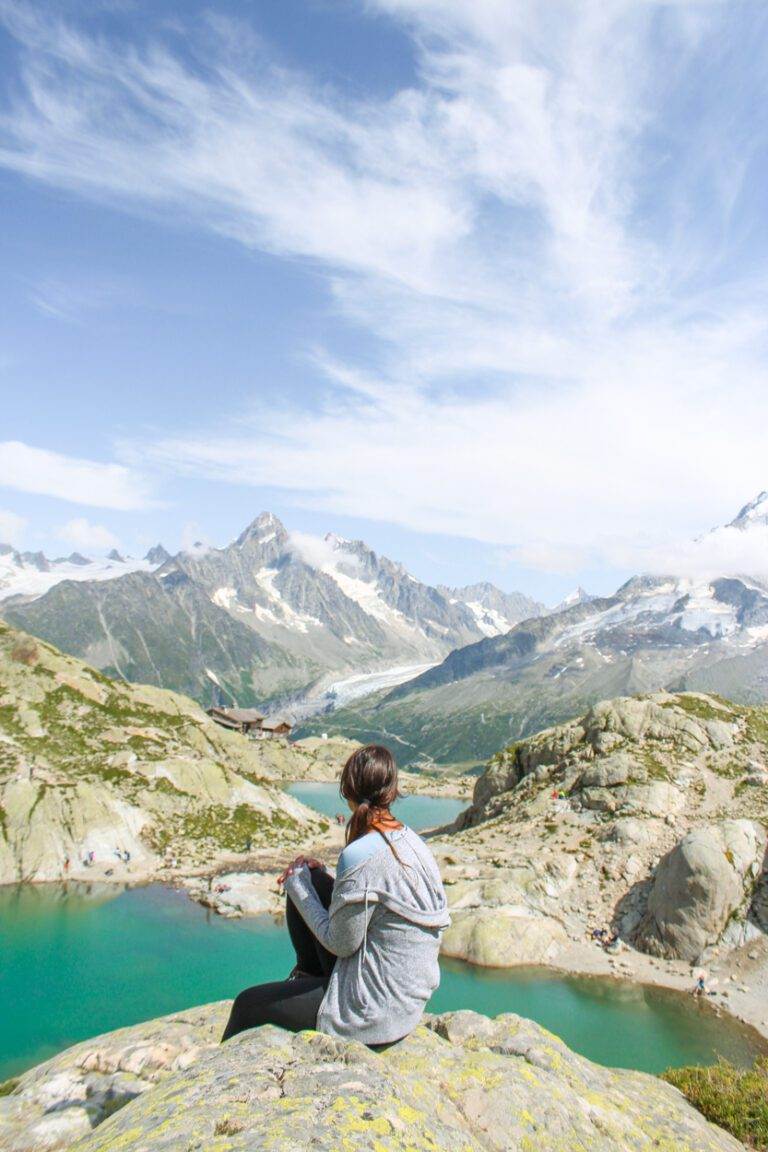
<point x="460" y="1083"/>
<point x="648" y="814"/>
<point x="668" y="631"/>
<point x="495" y="611"/>
<point x="262" y="619"/>
<point x="708" y="634"/>
<point x="91" y="765"/>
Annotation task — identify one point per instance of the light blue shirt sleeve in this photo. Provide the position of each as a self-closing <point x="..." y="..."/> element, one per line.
<point x="358" y="851"/>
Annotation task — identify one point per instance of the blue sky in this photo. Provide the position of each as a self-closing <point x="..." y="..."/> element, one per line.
<point x="480" y="281"/>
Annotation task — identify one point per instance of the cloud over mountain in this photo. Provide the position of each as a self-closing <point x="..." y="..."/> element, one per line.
<point x="546" y="243"/>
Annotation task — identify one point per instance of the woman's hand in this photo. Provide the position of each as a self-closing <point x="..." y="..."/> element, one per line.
<point x="310" y="861"/>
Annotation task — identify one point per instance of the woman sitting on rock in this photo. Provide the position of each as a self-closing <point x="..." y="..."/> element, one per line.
<point x="367" y="942"/>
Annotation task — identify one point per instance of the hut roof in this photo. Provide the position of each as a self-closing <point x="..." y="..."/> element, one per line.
<point x="238" y="715"/>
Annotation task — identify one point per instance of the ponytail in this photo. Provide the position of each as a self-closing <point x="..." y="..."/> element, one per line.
<point x="369" y="781"/>
<point x="360" y="821"/>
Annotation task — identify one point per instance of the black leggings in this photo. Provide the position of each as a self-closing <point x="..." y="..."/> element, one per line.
<point x="291" y="1004"/>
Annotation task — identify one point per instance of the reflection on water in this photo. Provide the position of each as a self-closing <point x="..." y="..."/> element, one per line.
<point x="82" y="959"/>
<point x="47" y="896"/>
<point x="614" y="1022"/>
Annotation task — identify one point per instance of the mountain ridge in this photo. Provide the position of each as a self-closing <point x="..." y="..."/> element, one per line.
<point x="707" y="633"/>
<point x="272" y="617"/>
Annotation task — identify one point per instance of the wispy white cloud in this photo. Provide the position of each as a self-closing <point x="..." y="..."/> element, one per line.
<point x="566" y="354"/>
<point x="319" y="552"/>
<point x="194" y="540"/>
<point x="12" y="527"/>
<point x="87" y="537"/>
<point x="25" y="468"/>
<point x="75" y="300"/>
<point x="724" y="551"/>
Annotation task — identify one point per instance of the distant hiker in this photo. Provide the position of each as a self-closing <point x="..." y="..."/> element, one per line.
<point x="127" y="856"/>
<point x="66" y="865"/>
<point x="366" y="941"/>
<point x="91" y="857"/>
<point x="700" y="988"/>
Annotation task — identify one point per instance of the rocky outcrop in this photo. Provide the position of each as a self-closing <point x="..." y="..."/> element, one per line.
<point x="140" y="777"/>
<point x="461" y="1082"/>
<point x="705" y="883"/>
<point x="575" y="828"/>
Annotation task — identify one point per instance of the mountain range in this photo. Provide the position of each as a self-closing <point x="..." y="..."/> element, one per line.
<point x="706" y="633"/>
<point x="267" y="618"/>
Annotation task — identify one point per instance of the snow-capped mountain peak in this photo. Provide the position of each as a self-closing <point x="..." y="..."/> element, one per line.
<point x="578" y="596"/>
<point x="28" y="575"/>
<point x="752" y="514"/>
<point x="335" y="540"/>
<point x="156" y="556"/>
<point x="265" y="528"/>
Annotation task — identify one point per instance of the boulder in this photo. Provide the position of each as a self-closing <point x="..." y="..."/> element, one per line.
<point x="704" y="882"/>
<point x="629" y="832"/>
<point x="503" y="937"/>
<point x="656" y="798"/>
<point x="609" y="771"/>
<point x="461" y="1082"/>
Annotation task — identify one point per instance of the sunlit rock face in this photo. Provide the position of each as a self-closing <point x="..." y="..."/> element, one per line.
<point x="460" y="1082"/>
<point x="136" y="776"/>
<point x="645" y="814"/>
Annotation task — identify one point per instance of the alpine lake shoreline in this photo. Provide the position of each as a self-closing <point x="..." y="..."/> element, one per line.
<point x="244" y="886"/>
<point x="590" y="823"/>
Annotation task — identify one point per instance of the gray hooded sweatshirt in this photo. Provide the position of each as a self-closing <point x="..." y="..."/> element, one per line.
<point x="384" y="924"/>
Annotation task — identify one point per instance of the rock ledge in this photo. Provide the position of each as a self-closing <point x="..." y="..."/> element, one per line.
<point x="460" y="1083"/>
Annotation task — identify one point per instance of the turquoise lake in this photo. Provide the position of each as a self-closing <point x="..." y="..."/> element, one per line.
<point x="83" y="959"/>
<point x="417" y="811"/>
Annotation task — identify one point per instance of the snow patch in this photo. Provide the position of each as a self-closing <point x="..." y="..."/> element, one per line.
<point x="288" y="616"/>
<point x="20" y="579"/>
<point x="488" y="620"/>
<point x="225" y="598"/>
<point x="366" y="596"/>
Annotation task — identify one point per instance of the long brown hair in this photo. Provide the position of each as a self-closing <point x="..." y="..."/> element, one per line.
<point x="369" y="780"/>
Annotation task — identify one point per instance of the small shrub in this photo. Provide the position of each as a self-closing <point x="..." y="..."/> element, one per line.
<point x="25" y="652"/>
<point x="227" y="1127"/>
<point x="7" y="1087"/>
<point x="734" y="1098"/>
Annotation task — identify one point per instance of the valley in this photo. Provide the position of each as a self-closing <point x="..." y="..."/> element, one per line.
<point x="598" y="768"/>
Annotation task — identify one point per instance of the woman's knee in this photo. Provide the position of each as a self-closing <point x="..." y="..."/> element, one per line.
<point x="322" y="882"/>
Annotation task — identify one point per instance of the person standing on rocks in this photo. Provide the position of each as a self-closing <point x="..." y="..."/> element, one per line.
<point x="366" y="942"/>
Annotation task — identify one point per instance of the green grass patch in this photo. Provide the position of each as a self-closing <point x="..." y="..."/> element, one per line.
<point x="8" y="1086"/>
<point x="700" y="708"/>
<point x="654" y="767"/>
<point x="221" y="827"/>
<point x="735" y="1099"/>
